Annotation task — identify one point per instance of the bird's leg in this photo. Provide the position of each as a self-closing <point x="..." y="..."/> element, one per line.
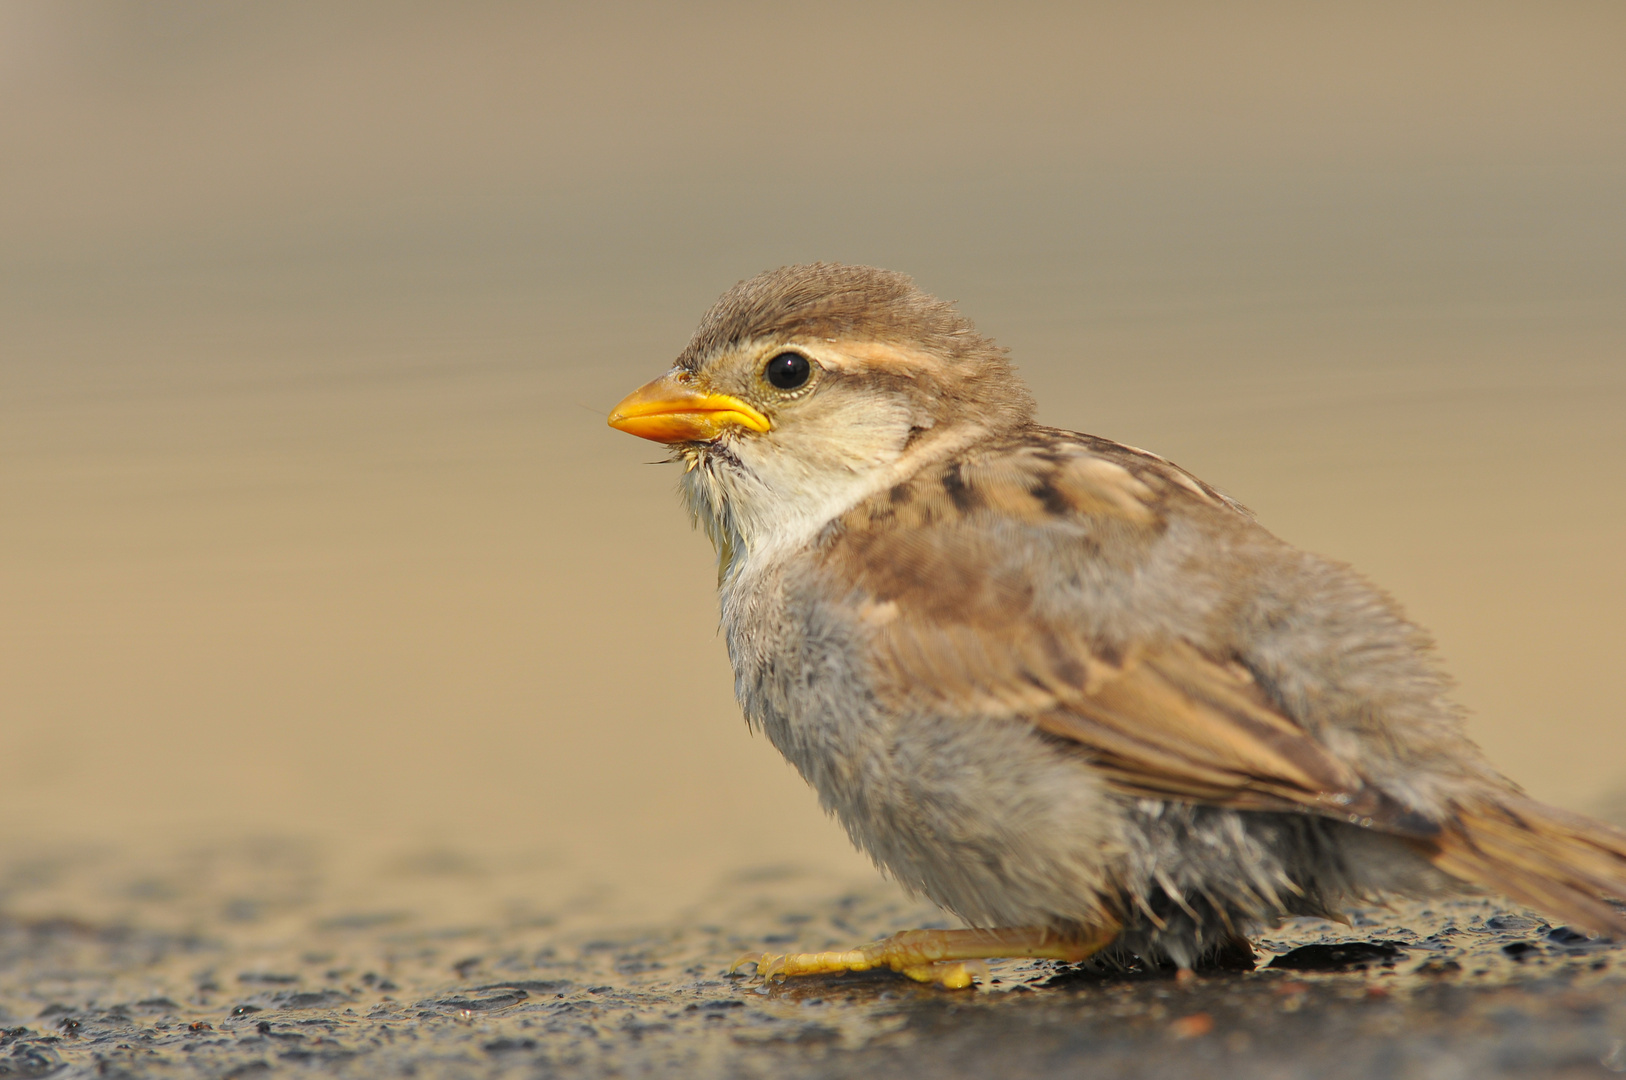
<point x="946" y="957"/>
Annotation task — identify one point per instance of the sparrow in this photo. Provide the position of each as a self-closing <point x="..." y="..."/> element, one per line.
<point x="1058" y="685"/>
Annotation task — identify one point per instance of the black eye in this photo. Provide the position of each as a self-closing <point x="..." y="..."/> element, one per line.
<point x="788" y="370"/>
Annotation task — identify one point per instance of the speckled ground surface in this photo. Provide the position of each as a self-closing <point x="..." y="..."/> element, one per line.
<point x="248" y="962"/>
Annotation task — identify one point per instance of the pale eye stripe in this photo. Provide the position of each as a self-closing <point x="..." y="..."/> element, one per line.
<point x="883" y="356"/>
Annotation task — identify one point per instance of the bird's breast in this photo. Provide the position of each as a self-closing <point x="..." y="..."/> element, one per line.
<point x="801" y="674"/>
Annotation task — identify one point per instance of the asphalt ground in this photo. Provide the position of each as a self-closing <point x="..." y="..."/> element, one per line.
<point x="263" y="959"/>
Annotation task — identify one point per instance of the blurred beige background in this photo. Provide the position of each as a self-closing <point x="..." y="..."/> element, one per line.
<point x="310" y="315"/>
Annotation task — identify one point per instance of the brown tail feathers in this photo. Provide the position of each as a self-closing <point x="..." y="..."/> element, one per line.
<point x="1559" y="863"/>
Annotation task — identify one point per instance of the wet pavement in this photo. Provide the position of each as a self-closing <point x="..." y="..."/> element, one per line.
<point x="265" y="961"/>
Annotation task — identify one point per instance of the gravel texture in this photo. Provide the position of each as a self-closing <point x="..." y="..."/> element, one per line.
<point x="252" y="962"/>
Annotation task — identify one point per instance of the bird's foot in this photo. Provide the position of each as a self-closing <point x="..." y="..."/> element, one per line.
<point x="948" y="958"/>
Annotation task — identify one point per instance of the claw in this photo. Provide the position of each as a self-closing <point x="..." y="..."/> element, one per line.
<point x="949" y="974"/>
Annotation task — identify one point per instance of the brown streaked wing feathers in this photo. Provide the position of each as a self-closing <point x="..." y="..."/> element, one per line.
<point x="1164" y="720"/>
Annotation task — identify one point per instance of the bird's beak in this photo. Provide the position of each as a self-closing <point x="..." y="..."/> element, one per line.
<point x="670" y="411"/>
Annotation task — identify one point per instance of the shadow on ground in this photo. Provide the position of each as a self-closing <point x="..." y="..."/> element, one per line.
<point x="242" y="963"/>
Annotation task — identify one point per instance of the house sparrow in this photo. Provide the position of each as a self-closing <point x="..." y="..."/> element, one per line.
<point x="1059" y="685"/>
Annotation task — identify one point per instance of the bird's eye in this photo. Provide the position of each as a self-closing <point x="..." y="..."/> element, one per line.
<point x="788" y="370"/>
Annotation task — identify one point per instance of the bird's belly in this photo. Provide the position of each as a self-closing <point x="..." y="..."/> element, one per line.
<point x="982" y="816"/>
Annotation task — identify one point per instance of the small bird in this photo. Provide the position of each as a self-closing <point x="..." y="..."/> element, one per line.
<point x="1056" y="684"/>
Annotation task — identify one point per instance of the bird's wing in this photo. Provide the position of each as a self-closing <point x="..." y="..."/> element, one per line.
<point x="972" y="576"/>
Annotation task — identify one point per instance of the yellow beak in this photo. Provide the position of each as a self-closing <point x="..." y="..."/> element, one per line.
<point x="670" y="411"/>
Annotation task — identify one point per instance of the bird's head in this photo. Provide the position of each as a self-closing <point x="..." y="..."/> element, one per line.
<point x="806" y="388"/>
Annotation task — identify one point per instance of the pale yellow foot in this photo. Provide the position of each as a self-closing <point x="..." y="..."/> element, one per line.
<point x="946" y="957"/>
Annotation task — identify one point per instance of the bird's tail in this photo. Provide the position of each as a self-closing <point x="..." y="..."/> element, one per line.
<point x="1559" y="863"/>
